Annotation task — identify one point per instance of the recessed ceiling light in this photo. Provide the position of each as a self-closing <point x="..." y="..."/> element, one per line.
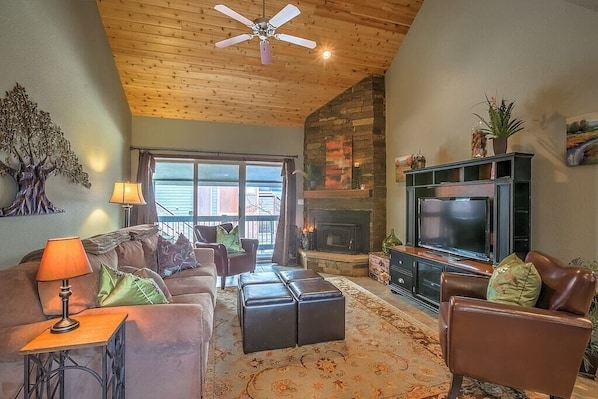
<point x="326" y="54"/>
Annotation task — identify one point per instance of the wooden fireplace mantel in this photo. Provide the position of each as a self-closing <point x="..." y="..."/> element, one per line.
<point x="337" y="193"/>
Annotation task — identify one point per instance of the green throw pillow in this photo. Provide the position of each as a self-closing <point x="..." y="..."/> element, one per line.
<point x="122" y="289"/>
<point x="230" y="240"/>
<point x="514" y="282"/>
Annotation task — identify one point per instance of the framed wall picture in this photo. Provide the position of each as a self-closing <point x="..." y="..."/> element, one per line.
<point x="582" y="140"/>
<point x="339" y="157"/>
<point x="402" y="164"/>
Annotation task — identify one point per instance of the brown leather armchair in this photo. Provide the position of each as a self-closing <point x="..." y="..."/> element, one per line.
<point x="227" y="264"/>
<point x="539" y="349"/>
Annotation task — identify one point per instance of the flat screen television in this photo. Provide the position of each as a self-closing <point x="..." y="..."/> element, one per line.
<point x="456" y="225"/>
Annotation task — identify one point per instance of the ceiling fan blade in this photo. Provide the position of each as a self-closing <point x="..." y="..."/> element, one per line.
<point x="233" y="14"/>
<point x="265" y="52"/>
<point x="296" y="40"/>
<point x="233" y="40"/>
<point x="285" y="15"/>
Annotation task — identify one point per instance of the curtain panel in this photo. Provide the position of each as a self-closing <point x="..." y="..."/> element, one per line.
<point x="143" y="214"/>
<point x="285" y="233"/>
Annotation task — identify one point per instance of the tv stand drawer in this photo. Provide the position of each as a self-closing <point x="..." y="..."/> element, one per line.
<point x="402" y="262"/>
<point x="400" y="279"/>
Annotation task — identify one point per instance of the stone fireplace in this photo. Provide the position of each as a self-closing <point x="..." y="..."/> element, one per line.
<point x="358" y="114"/>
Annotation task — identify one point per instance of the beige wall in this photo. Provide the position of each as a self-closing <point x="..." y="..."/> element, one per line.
<point x="540" y="53"/>
<point x="224" y="137"/>
<point x="57" y="50"/>
<point x="211" y="136"/>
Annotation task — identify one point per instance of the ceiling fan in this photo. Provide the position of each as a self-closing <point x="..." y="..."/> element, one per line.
<point x="263" y="29"/>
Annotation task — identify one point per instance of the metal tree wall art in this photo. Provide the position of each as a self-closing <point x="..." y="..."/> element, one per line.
<point x="34" y="148"/>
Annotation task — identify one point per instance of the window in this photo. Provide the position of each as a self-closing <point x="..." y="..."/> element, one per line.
<point x="214" y="192"/>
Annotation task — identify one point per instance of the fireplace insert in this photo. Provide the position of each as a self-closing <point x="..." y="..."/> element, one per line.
<point x="339" y="237"/>
<point x="341" y="231"/>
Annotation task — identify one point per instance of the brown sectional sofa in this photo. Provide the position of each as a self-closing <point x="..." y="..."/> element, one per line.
<point x="166" y="344"/>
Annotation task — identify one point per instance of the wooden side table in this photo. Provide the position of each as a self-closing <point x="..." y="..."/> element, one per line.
<point x="378" y="267"/>
<point x="48" y="356"/>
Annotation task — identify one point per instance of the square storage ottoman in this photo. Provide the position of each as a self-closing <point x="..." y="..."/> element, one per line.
<point x="269" y="317"/>
<point x="321" y="311"/>
<point x="301" y="274"/>
<point x="252" y="278"/>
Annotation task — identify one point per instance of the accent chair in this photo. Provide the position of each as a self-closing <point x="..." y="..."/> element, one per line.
<point x="227" y="264"/>
<point x="536" y="348"/>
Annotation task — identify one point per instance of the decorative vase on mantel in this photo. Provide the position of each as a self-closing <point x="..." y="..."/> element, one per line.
<point x="478" y="141"/>
<point x="499" y="145"/>
<point x="390" y="241"/>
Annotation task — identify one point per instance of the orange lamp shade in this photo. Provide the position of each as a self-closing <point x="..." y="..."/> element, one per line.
<point x="127" y="193"/>
<point x="63" y="258"/>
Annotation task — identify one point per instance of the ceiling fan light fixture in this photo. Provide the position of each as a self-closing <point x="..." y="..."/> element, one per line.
<point x="264" y="28"/>
<point x="265" y="52"/>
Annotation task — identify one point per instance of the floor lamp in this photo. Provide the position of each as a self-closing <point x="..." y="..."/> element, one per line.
<point x="127" y="194"/>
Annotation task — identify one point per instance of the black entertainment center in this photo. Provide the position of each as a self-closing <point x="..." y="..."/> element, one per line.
<point x="462" y="217"/>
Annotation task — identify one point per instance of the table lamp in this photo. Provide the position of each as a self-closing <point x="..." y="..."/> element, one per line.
<point x="127" y="194"/>
<point x="63" y="258"/>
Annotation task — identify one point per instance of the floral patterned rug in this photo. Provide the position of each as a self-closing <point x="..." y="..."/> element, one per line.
<point x="385" y="354"/>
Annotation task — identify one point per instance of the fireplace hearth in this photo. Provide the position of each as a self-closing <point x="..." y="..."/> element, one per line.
<point x="341" y="231"/>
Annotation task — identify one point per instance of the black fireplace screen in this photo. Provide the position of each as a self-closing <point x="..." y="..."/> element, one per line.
<point x="341" y="231"/>
<point x="339" y="237"/>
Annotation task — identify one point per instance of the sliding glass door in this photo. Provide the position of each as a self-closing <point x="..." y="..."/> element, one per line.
<point x="215" y="192"/>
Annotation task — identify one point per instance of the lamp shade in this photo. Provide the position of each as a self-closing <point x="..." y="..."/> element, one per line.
<point x="63" y="258"/>
<point x="127" y="193"/>
<point x="265" y="52"/>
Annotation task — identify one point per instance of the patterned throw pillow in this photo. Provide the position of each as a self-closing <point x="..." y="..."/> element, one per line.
<point x="148" y="273"/>
<point x="175" y="257"/>
<point x="124" y="289"/>
<point x="514" y="282"/>
<point x="230" y="240"/>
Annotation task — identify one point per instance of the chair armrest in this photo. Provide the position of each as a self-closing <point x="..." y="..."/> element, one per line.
<point x="250" y="244"/>
<point x="220" y="256"/>
<point x="467" y="285"/>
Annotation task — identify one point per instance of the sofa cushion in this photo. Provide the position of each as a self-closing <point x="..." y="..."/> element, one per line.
<point x="147" y="234"/>
<point x="150" y="251"/>
<point x="131" y="253"/>
<point x="18" y="290"/>
<point x="514" y="282"/>
<point x="174" y="257"/>
<point x="121" y="289"/>
<point x="230" y="239"/>
<point x="191" y="285"/>
<point x="84" y="288"/>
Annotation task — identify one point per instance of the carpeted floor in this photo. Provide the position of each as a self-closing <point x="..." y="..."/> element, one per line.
<point x="385" y="354"/>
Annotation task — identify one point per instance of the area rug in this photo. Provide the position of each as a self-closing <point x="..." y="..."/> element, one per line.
<point x="385" y="354"/>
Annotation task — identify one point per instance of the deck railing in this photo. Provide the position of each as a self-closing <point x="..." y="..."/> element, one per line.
<point x="262" y="227"/>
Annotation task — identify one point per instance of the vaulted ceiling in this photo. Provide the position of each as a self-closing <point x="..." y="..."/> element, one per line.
<point x="169" y="66"/>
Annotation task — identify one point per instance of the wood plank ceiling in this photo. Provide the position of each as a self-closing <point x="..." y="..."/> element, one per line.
<point x="169" y="67"/>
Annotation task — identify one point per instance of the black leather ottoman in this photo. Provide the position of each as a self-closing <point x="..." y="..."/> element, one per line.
<point x="321" y="311"/>
<point x="269" y="317"/>
<point x="253" y="278"/>
<point x="301" y="274"/>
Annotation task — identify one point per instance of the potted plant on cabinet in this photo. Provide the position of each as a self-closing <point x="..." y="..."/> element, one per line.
<point x="500" y="124"/>
<point x="589" y="365"/>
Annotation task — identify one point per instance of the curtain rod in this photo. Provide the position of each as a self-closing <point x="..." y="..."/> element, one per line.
<point x="217" y="153"/>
